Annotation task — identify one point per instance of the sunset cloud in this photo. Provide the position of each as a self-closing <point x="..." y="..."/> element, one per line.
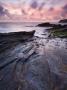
<point x="33" y="10"/>
<point x="64" y="11"/>
<point x="3" y="11"/>
<point x="34" y="4"/>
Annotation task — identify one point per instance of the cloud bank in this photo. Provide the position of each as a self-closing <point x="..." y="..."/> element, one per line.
<point x="33" y="10"/>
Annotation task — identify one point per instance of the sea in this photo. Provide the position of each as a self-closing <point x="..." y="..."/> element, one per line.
<point x="41" y="33"/>
<point x="6" y="27"/>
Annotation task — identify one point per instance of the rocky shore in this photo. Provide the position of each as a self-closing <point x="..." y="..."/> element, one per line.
<point x="32" y="63"/>
<point x="8" y="40"/>
<point x="63" y="21"/>
<point x="56" y="30"/>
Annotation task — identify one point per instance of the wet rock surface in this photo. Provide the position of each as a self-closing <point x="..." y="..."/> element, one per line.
<point x="34" y="64"/>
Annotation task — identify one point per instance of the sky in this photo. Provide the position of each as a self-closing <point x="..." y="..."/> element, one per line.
<point x="32" y="10"/>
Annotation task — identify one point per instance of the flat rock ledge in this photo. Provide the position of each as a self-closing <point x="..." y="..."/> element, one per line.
<point x="25" y="64"/>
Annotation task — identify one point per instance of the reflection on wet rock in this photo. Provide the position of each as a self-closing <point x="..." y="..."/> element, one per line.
<point x="38" y="64"/>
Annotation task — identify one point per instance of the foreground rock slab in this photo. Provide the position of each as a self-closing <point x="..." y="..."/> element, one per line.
<point x="33" y="64"/>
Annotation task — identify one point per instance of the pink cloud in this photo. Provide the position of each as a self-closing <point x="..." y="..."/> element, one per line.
<point x="32" y="13"/>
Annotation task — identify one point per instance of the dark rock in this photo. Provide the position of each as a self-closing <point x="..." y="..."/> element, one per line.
<point x="45" y="24"/>
<point x="8" y="40"/>
<point x="17" y="34"/>
<point x="22" y="67"/>
<point x="49" y="25"/>
<point x="63" y="21"/>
